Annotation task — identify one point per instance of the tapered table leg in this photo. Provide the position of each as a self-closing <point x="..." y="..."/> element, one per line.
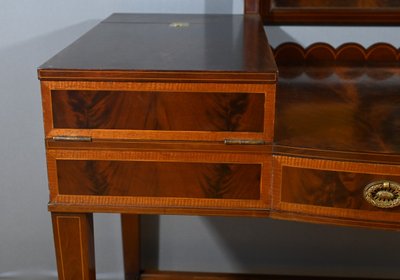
<point x="131" y="245"/>
<point x="74" y="244"/>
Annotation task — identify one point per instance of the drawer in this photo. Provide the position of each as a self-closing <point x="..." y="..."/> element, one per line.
<point x="154" y="179"/>
<point x="159" y="111"/>
<point x="335" y="189"/>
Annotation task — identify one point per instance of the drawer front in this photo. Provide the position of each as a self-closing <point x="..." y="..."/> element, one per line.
<point x="159" y="179"/>
<point x="160" y="111"/>
<point x="337" y="189"/>
<point x="176" y="111"/>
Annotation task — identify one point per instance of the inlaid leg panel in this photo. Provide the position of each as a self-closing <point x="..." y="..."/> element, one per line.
<point x="131" y="245"/>
<point x="74" y="243"/>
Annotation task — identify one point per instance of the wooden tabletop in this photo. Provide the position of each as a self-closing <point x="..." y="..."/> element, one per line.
<point x="167" y="45"/>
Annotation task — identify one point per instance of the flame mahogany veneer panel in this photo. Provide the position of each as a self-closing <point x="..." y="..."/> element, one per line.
<point x="176" y="111"/>
<point x="329" y="188"/>
<point x="359" y="116"/>
<point x="340" y="100"/>
<point x="337" y="117"/>
<point x="159" y="179"/>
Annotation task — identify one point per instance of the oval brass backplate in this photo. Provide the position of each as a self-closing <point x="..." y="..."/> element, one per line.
<point x="383" y="194"/>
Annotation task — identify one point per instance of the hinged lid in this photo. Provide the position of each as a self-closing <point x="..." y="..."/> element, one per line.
<point x="168" y="47"/>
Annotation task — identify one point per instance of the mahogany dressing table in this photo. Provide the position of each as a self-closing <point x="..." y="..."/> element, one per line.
<point x="184" y="114"/>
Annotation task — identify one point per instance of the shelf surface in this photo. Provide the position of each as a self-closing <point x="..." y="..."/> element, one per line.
<point x="343" y="100"/>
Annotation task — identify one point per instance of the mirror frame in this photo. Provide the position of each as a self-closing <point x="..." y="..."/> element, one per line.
<point x="323" y="12"/>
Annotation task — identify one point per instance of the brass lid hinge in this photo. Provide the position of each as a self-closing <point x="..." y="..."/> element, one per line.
<point x="244" y="142"/>
<point x="73" y="138"/>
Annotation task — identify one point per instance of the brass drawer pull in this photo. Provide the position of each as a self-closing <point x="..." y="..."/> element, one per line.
<point x="383" y="194"/>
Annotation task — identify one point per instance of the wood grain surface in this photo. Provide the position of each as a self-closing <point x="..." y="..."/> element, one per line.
<point x="317" y="12"/>
<point x="327" y="188"/>
<point x="336" y="106"/>
<point x="108" y="178"/>
<point x="130" y="228"/>
<point x="150" y="113"/>
<point x="158" y="108"/>
<point x="346" y="55"/>
<point x="191" y="111"/>
<point x="159" y="179"/>
<point x="153" y="47"/>
<point x="74" y="244"/>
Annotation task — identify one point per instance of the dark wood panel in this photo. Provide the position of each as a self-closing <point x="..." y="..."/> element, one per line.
<point x="130" y="228"/>
<point x="329" y="188"/>
<point x="159" y="179"/>
<point x="347" y="55"/>
<point x="260" y="7"/>
<point x="177" y="111"/>
<point x="349" y="103"/>
<point x="333" y="191"/>
<point x="74" y="244"/>
<point x="169" y="47"/>
<point x="360" y="115"/>
<point x="160" y="275"/>
<point x="331" y="4"/>
<point x="351" y="12"/>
